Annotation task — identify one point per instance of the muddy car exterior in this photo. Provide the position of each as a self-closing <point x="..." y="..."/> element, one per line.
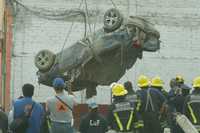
<point x="101" y="58"/>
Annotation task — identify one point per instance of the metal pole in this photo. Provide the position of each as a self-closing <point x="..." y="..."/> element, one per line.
<point x="2" y="8"/>
<point x="2" y="46"/>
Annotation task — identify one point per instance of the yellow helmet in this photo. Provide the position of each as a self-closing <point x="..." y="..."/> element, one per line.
<point x="119" y="90"/>
<point x="157" y="82"/>
<point x="196" y="82"/>
<point x="179" y="79"/>
<point x="143" y="81"/>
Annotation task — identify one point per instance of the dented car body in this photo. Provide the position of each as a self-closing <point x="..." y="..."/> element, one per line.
<point x="101" y="58"/>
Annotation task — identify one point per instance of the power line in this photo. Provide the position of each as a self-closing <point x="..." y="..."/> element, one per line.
<point x="50" y="15"/>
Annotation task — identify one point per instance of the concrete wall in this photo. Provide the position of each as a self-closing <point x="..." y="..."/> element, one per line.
<point x="177" y="20"/>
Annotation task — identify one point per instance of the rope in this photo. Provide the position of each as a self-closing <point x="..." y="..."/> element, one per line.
<point x="69" y="31"/>
<point x="128" y="8"/>
<point x="87" y="15"/>
<point x="113" y="4"/>
<point x="95" y="21"/>
<point x="136" y="7"/>
<point x="22" y="58"/>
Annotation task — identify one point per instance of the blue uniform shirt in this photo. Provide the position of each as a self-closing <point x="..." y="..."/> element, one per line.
<point x="36" y="117"/>
<point x="157" y="98"/>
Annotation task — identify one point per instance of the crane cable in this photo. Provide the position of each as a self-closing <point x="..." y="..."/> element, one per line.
<point x="113" y="3"/>
<point x="69" y="32"/>
<point x="87" y="16"/>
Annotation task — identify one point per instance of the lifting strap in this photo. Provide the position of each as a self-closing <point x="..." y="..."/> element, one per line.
<point x="149" y="101"/>
<point x="192" y="114"/>
<point x="128" y="126"/>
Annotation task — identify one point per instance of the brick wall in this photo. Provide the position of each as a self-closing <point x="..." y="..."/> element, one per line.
<point x="177" y="20"/>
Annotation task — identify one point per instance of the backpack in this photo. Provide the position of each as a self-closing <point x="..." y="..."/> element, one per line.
<point x="20" y="124"/>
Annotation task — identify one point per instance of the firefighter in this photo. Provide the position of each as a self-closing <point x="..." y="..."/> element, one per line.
<point x="93" y="122"/>
<point x="158" y="83"/>
<point x="181" y="91"/>
<point x="176" y="101"/>
<point x="122" y="116"/>
<point x="179" y="79"/>
<point x="173" y="88"/>
<point x="131" y="95"/>
<point x="152" y="102"/>
<point x="3" y="121"/>
<point x="178" y="87"/>
<point x="191" y="106"/>
<point x="185" y="90"/>
<point x="133" y="98"/>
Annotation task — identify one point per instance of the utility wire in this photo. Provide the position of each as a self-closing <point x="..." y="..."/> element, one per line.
<point x="50" y="15"/>
<point x="66" y="14"/>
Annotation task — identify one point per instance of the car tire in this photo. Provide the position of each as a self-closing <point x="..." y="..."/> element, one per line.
<point x="112" y="20"/>
<point x="44" y="60"/>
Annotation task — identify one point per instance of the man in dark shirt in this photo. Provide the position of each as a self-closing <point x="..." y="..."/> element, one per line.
<point x="152" y="102"/>
<point x="27" y="105"/>
<point x="135" y="101"/>
<point x="157" y="83"/>
<point x="93" y="122"/>
<point x="191" y="106"/>
<point x="3" y="121"/>
<point x="122" y="115"/>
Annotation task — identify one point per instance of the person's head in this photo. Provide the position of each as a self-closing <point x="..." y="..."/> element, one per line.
<point x="58" y="85"/>
<point x="143" y="82"/>
<point x="179" y="79"/>
<point x="157" y="82"/>
<point x="119" y="91"/>
<point x="196" y="83"/>
<point x="128" y="86"/>
<point x="20" y="97"/>
<point x="93" y="107"/>
<point x="28" y="90"/>
<point x="172" y="83"/>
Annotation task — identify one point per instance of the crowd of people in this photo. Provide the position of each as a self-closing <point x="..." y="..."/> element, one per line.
<point x="151" y="109"/>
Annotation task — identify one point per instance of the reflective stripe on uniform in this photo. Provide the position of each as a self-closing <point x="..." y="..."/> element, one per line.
<point x="139" y="124"/>
<point x="129" y="121"/>
<point x="138" y="105"/>
<point x="192" y="114"/>
<point x="49" y="123"/>
<point x="118" y="122"/>
<point x="128" y="126"/>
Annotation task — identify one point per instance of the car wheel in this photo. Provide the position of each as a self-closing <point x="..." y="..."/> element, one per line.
<point x="44" y="60"/>
<point x="112" y="20"/>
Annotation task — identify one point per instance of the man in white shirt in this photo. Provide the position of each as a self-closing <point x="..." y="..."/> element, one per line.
<point x="60" y="108"/>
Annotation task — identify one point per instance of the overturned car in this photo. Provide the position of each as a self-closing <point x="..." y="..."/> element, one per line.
<point x="101" y="58"/>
